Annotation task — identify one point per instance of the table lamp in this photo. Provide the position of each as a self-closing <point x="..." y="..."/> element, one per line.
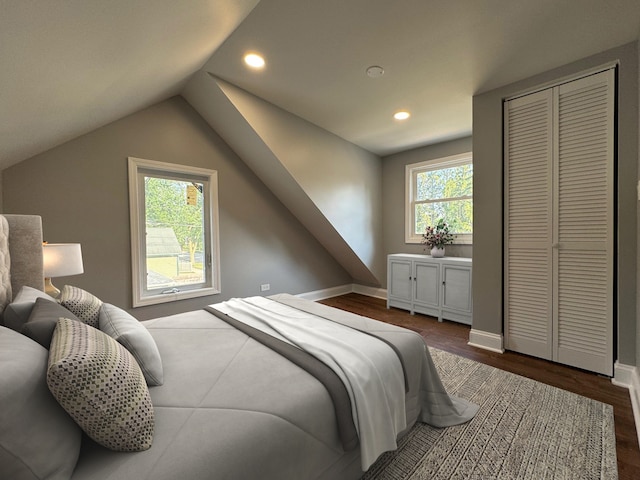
<point x="60" y="260"/>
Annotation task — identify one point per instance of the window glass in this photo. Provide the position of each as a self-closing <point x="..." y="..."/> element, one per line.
<point x="175" y="223"/>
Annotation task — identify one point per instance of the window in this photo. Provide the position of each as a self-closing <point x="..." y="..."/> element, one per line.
<point x="441" y="188"/>
<point x="174" y="231"/>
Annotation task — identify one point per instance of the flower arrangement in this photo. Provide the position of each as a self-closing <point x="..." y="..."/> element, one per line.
<point x="438" y="236"/>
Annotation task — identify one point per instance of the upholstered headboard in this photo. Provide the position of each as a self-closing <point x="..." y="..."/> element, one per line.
<point x="21" y="254"/>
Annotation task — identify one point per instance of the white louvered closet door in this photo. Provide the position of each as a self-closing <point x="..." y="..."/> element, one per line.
<point x="559" y="235"/>
<point x="583" y="228"/>
<point x="528" y="221"/>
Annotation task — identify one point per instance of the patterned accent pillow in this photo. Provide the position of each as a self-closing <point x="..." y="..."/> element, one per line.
<point x="83" y="304"/>
<point x="98" y="382"/>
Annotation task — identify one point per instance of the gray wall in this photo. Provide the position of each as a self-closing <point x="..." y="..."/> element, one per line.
<point x="393" y="187"/>
<point x="487" y="191"/>
<point x="80" y="188"/>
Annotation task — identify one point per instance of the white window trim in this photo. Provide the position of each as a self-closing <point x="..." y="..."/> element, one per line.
<point x="136" y="215"/>
<point x="410" y="171"/>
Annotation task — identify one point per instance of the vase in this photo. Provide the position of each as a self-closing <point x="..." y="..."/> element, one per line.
<point x="437" y="252"/>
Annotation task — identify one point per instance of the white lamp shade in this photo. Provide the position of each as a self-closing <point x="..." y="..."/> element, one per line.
<point x="62" y="259"/>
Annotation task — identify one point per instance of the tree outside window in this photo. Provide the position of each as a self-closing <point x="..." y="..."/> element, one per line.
<point x="438" y="189"/>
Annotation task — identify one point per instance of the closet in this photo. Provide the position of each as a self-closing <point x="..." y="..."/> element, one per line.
<point x="559" y="233"/>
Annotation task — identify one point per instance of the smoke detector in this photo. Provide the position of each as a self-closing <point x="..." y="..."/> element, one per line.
<point x="375" y="71"/>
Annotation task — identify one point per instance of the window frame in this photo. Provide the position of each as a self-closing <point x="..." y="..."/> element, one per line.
<point x="138" y="167"/>
<point x="411" y="174"/>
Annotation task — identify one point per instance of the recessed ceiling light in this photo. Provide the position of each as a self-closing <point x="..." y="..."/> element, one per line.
<point x="401" y="115"/>
<point x="254" y="60"/>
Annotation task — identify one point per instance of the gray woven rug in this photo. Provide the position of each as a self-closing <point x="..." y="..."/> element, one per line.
<point x="523" y="430"/>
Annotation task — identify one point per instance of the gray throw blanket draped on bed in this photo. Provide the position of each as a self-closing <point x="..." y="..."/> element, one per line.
<point x="369" y="368"/>
<point x="437" y="407"/>
<point x="375" y="380"/>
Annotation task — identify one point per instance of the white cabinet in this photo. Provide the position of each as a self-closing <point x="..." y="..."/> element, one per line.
<point x="440" y="287"/>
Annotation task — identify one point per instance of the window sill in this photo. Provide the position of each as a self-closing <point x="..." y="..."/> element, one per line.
<point x="143" y="301"/>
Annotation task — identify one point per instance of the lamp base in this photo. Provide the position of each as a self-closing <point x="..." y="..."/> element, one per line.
<point x="50" y="289"/>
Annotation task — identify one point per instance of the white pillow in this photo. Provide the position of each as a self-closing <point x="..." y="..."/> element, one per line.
<point x="130" y="333"/>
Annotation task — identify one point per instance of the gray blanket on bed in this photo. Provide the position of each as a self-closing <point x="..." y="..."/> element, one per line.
<point x="370" y="370"/>
<point x="436" y="406"/>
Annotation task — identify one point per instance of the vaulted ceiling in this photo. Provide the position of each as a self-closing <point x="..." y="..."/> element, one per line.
<point x="69" y="67"/>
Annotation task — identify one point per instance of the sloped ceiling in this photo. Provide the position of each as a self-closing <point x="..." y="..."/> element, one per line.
<point x="69" y="67"/>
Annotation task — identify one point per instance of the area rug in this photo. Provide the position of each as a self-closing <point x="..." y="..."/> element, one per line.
<point x="523" y="430"/>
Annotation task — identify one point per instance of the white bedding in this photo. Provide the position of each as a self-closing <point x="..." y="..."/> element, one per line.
<point x="369" y="368"/>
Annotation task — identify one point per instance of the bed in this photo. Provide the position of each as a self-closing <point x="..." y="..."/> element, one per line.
<point x="231" y="403"/>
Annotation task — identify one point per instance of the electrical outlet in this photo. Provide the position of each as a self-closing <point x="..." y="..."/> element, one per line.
<point x="265" y="287"/>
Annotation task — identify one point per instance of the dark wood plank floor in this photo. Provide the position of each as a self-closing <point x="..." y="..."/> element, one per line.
<point x="453" y="337"/>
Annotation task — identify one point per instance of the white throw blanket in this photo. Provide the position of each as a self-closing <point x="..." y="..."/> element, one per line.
<point x="368" y="367"/>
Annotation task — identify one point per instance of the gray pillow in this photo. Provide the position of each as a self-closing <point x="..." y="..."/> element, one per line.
<point x="43" y="320"/>
<point x="99" y="383"/>
<point x="17" y="312"/>
<point x="38" y="439"/>
<point x="128" y="331"/>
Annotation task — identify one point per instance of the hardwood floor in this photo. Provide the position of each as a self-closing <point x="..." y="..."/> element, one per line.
<point x="453" y="338"/>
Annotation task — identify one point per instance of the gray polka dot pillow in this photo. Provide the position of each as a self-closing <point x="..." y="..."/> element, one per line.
<point x="100" y="385"/>
<point x="82" y="304"/>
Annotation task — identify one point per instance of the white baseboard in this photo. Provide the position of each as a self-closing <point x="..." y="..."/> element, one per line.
<point x="343" y="290"/>
<point x="486" y="340"/>
<point x="370" y="291"/>
<point x="628" y="376"/>
<point x="327" y="292"/>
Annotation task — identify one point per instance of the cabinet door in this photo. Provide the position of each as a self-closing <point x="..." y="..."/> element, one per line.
<point x="427" y="285"/>
<point x="400" y="280"/>
<point x="456" y="288"/>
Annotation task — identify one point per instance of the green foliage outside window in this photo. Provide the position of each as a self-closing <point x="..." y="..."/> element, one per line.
<point x="445" y="194"/>
<point x="167" y="206"/>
